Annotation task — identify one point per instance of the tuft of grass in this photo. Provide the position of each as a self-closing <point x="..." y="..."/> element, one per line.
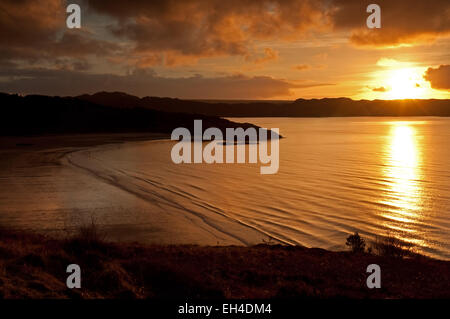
<point x="88" y="236"/>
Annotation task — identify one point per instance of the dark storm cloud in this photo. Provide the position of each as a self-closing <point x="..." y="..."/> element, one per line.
<point x="33" y="31"/>
<point x="403" y="21"/>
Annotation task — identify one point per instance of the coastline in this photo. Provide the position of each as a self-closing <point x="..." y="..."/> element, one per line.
<point x="33" y="265"/>
<point x="56" y="141"/>
<point x="46" y="165"/>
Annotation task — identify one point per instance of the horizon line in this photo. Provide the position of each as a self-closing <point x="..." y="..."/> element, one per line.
<point x="218" y="100"/>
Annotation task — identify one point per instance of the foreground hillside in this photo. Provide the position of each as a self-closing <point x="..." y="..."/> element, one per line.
<point x="33" y="266"/>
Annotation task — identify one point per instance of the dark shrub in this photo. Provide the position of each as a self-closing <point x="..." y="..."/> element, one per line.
<point x="390" y="246"/>
<point x="356" y="243"/>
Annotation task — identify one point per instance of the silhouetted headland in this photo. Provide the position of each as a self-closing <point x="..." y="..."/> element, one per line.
<point x="327" y="107"/>
<point x="38" y="114"/>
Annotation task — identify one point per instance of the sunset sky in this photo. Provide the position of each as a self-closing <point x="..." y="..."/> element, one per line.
<point x="227" y="49"/>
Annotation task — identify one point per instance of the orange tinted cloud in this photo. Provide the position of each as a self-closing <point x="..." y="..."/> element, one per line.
<point x="210" y="28"/>
<point x="143" y="33"/>
<point x="175" y="32"/>
<point x="30" y="22"/>
<point x="380" y="89"/>
<point x="301" y="67"/>
<point x="402" y="21"/>
<point x="214" y="27"/>
<point x="268" y="55"/>
<point x="439" y="78"/>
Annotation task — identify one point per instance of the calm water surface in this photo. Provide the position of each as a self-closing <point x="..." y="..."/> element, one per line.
<point x="377" y="176"/>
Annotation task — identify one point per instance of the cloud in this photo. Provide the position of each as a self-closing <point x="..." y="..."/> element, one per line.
<point x="35" y="31"/>
<point x="30" y="22"/>
<point x="301" y="67"/>
<point x="381" y="89"/>
<point x="145" y="82"/>
<point x="268" y="55"/>
<point x="206" y="28"/>
<point x="304" y="67"/>
<point x="79" y="43"/>
<point x="153" y="32"/>
<point x="210" y="28"/>
<point x="402" y="21"/>
<point x="146" y="33"/>
<point x="26" y="25"/>
<point x="439" y="78"/>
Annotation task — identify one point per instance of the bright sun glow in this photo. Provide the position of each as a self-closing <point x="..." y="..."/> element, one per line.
<point x="400" y="80"/>
<point x="406" y="83"/>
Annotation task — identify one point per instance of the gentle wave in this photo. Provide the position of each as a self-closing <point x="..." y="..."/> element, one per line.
<point x="377" y="179"/>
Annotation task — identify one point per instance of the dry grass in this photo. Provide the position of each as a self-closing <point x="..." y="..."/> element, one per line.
<point x="88" y="235"/>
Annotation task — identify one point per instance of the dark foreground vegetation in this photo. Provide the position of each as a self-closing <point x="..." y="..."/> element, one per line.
<point x="34" y="266"/>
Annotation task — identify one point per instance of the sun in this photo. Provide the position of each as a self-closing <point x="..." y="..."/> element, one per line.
<point x="400" y="80"/>
<point x="406" y="83"/>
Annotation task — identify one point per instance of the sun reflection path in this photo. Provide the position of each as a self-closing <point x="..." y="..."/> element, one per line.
<point x="404" y="193"/>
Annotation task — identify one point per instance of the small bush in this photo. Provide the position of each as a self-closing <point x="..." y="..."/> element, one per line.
<point x="356" y="243"/>
<point x="390" y="246"/>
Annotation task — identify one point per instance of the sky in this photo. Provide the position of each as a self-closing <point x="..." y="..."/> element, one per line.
<point x="233" y="49"/>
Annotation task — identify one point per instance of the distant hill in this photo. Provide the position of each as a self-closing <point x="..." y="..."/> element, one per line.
<point x="327" y="107"/>
<point x="121" y="112"/>
<point x="113" y="113"/>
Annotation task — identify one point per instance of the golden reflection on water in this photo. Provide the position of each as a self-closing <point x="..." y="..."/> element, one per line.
<point x="403" y="172"/>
